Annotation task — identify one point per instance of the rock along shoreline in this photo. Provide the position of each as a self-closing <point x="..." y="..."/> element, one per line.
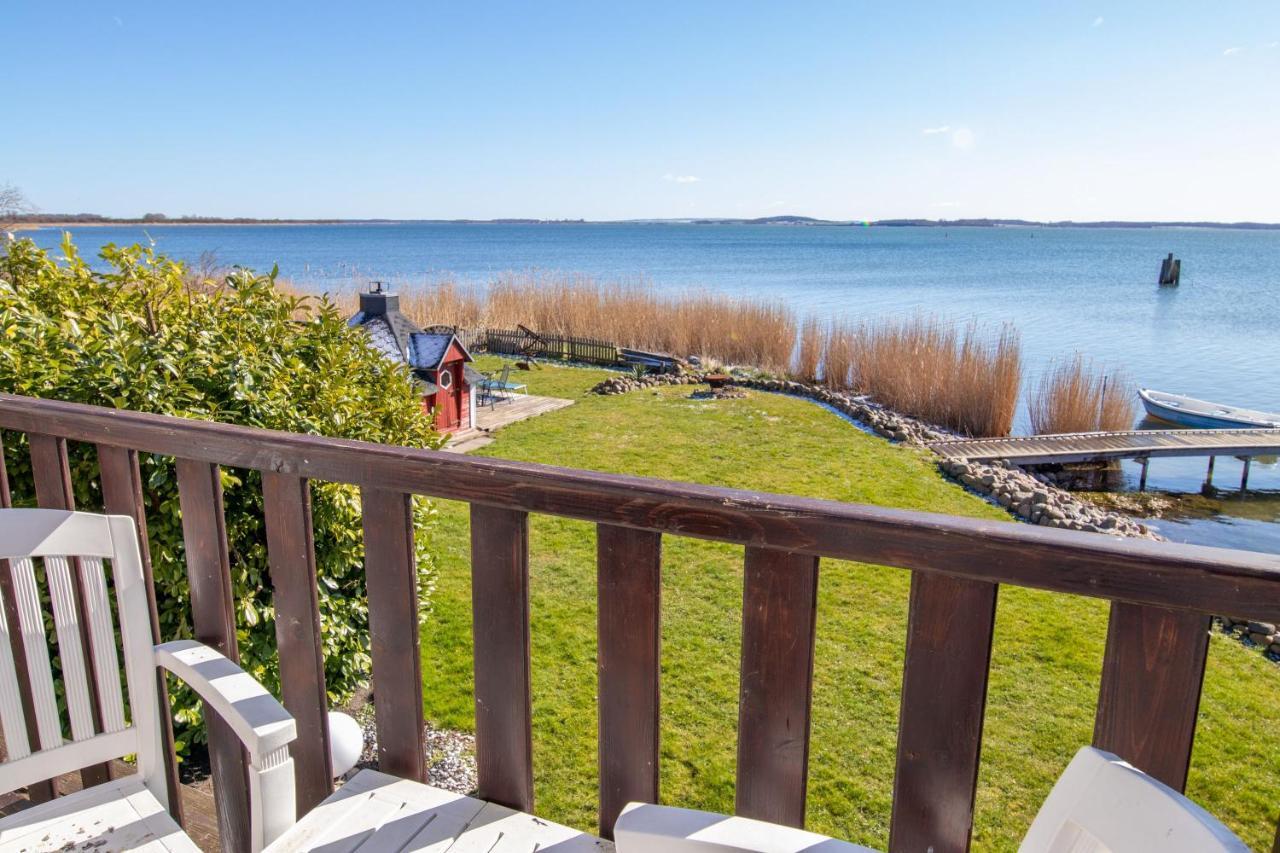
<point x="1031" y="497"/>
<point x="1028" y="496"/>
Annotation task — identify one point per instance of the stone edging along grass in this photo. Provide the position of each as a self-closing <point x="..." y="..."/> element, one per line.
<point x="1031" y="497"/>
<point x="1027" y="496"/>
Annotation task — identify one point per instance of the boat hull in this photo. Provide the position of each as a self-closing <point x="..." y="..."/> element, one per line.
<point x="1189" y="417"/>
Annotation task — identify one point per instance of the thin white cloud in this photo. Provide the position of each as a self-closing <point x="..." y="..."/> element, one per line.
<point x="1232" y="51"/>
<point x="961" y="137"/>
<point x="681" y="179"/>
<point x="1098" y="21"/>
<point x="1272" y="45"/>
<point x="945" y="204"/>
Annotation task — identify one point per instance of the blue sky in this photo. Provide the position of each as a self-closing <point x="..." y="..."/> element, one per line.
<point x="565" y="110"/>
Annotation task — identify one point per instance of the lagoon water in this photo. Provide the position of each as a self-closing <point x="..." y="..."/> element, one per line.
<point x="1092" y="290"/>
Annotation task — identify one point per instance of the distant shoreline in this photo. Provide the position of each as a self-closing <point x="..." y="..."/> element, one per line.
<point x="36" y="222"/>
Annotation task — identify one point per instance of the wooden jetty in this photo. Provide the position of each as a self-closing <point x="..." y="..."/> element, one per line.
<point x="1141" y="445"/>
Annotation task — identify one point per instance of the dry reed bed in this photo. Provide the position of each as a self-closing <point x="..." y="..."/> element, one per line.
<point x="963" y="380"/>
<point x="1074" y="396"/>
<point x="725" y="328"/>
<point x="966" y="379"/>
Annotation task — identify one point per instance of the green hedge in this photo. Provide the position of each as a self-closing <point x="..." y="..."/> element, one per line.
<point x="138" y="334"/>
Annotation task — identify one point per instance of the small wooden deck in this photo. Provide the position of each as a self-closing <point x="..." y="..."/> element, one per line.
<point x="1102" y="446"/>
<point x="491" y="418"/>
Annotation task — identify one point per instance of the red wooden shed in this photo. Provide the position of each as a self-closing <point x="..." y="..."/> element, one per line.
<point x="444" y="385"/>
<point x="437" y="359"/>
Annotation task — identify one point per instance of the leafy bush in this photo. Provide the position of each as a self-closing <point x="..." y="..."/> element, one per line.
<point x="137" y="336"/>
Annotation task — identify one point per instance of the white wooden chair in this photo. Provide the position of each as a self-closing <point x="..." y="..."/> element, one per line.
<point x="131" y="812"/>
<point x="1101" y="803"/>
<point x="645" y="828"/>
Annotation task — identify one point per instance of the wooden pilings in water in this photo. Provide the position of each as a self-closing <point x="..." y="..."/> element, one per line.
<point x="1142" y="481"/>
<point x="1170" y="270"/>
<point x="1208" y="477"/>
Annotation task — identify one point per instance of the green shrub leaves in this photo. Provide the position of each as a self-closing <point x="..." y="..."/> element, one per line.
<point x="138" y="334"/>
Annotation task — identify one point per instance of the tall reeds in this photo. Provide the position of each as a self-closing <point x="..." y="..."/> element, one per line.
<point x="838" y="356"/>
<point x="926" y="368"/>
<point x="1074" y="396"/>
<point x="964" y="378"/>
<point x="724" y="328"/>
<point x="809" y="350"/>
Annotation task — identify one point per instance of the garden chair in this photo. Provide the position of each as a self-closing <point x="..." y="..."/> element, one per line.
<point x="1099" y="804"/>
<point x="371" y="811"/>
<point x="644" y="828"/>
<point x="500" y="388"/>
<point x="509" y="387"/>
<point x="1103" y="803"/>
<point x="131" y="811"/>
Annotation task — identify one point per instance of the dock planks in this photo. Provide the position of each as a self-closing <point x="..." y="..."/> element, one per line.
<point x="1100" y="446"/>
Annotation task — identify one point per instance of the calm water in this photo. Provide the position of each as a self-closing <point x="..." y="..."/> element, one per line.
<point x="1217" y="336"/>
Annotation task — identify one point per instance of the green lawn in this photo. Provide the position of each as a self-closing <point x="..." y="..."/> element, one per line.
<point x="1045" y="664"/>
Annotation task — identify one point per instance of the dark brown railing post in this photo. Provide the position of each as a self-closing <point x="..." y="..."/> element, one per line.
<point x="391" y="577"/>
<point x="52" y="472"/>
<point x="944" y="693"/>
<point x="500" y="623"/>
<point x="122" y="495"/>
<point x="628" y="580"/>
<point x="779" y="618"/>
<point x="39" y="792"/>
<point x="204" y="533"/>
<point x="1151" y="679"/>
<point x="292" y="559"/>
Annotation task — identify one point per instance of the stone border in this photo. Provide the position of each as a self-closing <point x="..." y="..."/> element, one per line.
<point x="626" y="383"/>
<point x="1260" y="635"/>
<point x="1031" y="497"/>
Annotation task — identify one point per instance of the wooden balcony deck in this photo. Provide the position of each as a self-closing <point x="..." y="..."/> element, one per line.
<point x="1161" y="597"/>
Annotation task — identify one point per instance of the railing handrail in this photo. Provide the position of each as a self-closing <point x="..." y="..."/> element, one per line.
<point x="1193" y="577"/>
<point x="1152" y="671"/>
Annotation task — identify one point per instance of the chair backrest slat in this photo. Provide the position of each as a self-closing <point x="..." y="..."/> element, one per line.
<point x="106" y="663"/>
<point x="12" y="719"/>
<point x="71" y="548"/>
<point x="75" y="676"/>
<point x="36" y="647"/>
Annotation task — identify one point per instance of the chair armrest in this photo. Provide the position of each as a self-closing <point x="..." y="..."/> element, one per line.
<point x="261" y="723"/>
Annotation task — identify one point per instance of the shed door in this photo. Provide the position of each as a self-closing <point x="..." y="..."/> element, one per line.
<point x="448" y="399"/>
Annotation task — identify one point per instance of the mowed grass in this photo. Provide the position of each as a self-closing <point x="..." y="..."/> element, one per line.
<point x="1045" y="664"/>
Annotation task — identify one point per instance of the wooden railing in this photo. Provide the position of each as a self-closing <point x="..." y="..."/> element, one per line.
<point x="1151" y="680"/>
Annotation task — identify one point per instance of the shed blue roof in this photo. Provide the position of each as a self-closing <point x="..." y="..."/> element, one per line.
<point x="397" y="337"/>
<point x="427" y="350"/>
